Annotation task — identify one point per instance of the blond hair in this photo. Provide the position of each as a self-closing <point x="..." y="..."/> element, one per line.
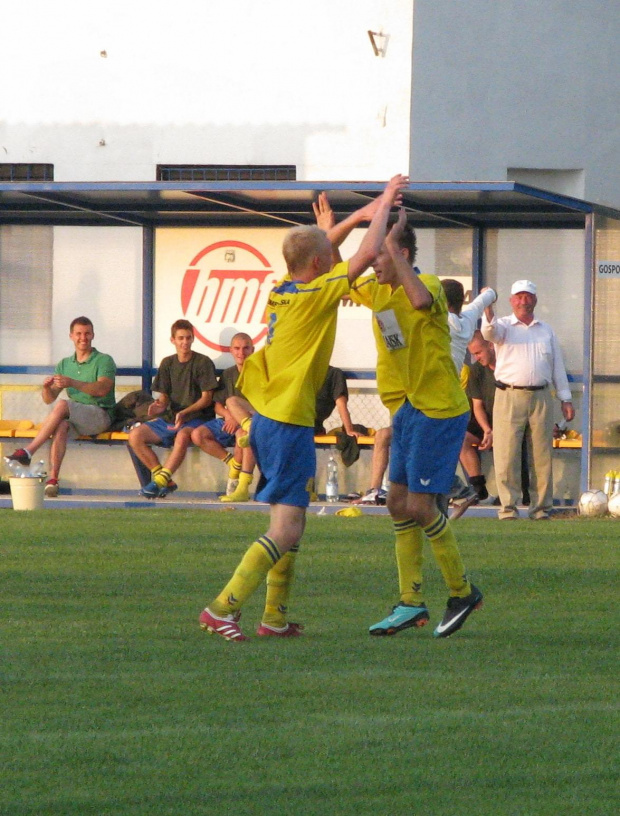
<point x="300" y="245"/>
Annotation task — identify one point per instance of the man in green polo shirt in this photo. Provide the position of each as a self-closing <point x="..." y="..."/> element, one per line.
<point x="88" y="376"/>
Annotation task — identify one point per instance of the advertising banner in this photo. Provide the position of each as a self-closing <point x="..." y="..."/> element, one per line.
<point x="219" y="280"/>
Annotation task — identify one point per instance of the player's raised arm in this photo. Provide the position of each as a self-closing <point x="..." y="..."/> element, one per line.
<point x="326" y="220"/>
<point x="416" y="291"/>
<point x="338" y="232"/>
<point x="379" y="209"/>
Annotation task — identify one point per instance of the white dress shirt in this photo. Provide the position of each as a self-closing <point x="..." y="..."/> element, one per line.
<point x="527" y="354"/>
<point x="463" y="326"/>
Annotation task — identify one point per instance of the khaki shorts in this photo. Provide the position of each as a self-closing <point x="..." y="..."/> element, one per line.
<point x="87" y="420"/>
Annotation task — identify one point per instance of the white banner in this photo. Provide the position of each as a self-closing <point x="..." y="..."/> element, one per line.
<point x="219" y="280"/>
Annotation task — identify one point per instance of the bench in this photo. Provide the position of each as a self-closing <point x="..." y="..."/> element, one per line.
<point x="25" y="429"/>
<point x="204" y="474"/>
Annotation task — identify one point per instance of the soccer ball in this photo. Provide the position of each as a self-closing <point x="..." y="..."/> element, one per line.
<point x="593" y="503"/>
<point x="614" y="506"/>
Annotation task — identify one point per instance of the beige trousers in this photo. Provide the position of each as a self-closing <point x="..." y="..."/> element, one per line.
<point x="516" y="413"/>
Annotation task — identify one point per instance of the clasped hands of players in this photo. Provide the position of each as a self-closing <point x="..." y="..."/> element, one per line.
<point x="326" y="219"/>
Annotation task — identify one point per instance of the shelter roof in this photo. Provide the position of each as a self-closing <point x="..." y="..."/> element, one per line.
<point x="260" y="204"/>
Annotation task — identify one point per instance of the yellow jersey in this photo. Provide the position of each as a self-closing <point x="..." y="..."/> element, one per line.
<point x="281" y="380"/>
<point x="413" y="349"/>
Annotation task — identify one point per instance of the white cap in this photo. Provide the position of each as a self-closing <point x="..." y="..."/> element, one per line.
<point x="523" y="286"/>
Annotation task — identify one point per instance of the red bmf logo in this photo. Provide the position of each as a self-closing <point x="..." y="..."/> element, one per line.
<point x="225" y="290"/>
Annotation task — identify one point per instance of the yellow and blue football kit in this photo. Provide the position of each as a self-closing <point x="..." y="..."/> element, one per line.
<point x="418" y="383"/>
<point x="281" y="382"/>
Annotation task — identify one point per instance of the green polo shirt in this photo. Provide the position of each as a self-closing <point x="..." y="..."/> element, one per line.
<point x="96" y="366"/>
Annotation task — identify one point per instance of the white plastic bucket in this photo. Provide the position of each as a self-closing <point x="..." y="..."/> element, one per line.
<point x="27" y="493"/>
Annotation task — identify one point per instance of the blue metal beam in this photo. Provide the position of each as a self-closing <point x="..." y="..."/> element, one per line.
<point x="148" y="304"/>
<point x="588" y="294"/>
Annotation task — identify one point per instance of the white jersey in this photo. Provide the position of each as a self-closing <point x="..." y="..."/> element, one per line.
<point x="463" y="326"/>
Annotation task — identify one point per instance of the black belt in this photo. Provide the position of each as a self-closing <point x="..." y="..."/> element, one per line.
<point x="503" y="386"/>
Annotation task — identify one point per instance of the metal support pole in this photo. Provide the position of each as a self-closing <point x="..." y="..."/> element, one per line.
<point x="477" y="260"/>
<point x="588" y="350"/>
<point x="148" y="306"/>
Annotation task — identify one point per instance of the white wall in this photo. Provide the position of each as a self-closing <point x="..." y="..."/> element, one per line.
<point x="517" y="89"/>
<point x="518" y="84"/>
<point x="97" y="272"/>
<point x="200" y="82"/>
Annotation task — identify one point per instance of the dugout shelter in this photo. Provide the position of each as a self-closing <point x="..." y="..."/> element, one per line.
<point x="69" y="248"/>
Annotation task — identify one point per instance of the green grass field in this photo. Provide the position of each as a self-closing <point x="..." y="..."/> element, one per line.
<point x="114" y="703"/>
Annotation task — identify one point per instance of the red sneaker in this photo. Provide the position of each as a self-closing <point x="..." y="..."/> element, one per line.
<point x="52" y="488"/>
<point x="226" y="627"/>
<point x="290" y="630"/>
<point x="21" y="456"/>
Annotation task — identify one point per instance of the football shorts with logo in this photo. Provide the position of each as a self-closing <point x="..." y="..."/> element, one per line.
<point x="286" y="457"/>
<point x="425" y="451"/>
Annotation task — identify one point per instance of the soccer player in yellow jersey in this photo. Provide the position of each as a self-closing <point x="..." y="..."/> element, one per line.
<point x="281" y="382"/>
<point x="418" y="382"/>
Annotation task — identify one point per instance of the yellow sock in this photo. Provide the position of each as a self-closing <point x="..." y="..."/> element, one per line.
<point x="242" y="491"/>
<point x="279" y="582"/>
<point x="311" y="488"/>
<point x="409" y="558"/>
<point x="244" y="441"/>
<point x="447" y="555"/>
<point x="259" y="558"/>
<point x="162" y="477"/>
<point x="234" y="467"/>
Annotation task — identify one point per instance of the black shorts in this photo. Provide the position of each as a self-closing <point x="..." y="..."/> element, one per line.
<point x="474" y="428"/>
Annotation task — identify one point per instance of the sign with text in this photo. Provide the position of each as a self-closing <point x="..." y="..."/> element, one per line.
<point x="608" y="269"/>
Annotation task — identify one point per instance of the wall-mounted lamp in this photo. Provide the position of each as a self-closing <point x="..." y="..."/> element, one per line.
<point x="379" y="42"/>
<point x="103" y="54"/>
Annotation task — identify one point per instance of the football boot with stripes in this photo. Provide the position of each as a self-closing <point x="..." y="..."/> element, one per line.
<point x="227" y="627"/>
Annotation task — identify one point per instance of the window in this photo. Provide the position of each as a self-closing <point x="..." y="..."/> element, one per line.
<point x="26" y="172"/>
<point x="225" y="172"/>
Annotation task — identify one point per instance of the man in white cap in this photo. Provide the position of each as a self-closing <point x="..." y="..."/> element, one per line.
<point x="529" y="362"/>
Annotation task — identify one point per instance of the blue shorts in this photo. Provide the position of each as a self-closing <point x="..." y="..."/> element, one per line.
<point x="425" y="451"/>
<point x="165" y="433"/>
<point x="286" y="457"/>
<point x="216" y="426"/>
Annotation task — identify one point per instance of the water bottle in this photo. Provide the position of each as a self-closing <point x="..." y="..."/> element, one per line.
<point x="37" y="468"/>
<point x="608" y="487"/>
<point x="17" y="470"/>
<point x="331" y="485"/>
<point x="616" y="487"/>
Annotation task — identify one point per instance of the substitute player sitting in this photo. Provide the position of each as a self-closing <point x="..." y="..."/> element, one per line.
<point x="281" y="382"/>
<point x="185" y="382"/>
<point x="241" y="463"/>
<point x="418" y="383"/>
